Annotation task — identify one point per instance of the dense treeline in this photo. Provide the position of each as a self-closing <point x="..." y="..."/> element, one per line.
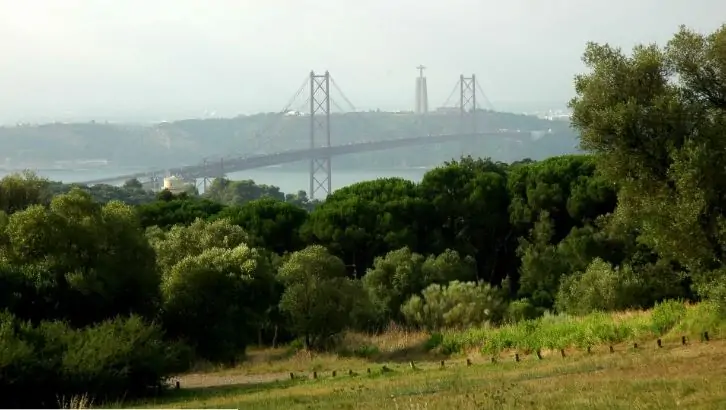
<point x="109" y="298"/>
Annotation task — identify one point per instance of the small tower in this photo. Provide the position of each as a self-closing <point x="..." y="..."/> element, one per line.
<point x="422" y="98"/>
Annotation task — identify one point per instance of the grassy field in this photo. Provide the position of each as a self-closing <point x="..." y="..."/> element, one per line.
<point x="643" y="377"/>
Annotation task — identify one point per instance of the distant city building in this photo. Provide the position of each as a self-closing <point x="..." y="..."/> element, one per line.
<point x="177" y="185"/>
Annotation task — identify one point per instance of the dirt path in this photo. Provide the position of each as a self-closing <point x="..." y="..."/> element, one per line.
<point x="211" y="380"/>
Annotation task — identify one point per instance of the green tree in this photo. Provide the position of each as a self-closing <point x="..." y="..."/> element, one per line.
<point x="401" y="274"/>
<point x="300" y="199"/>
<point x="216" y="300"/>
<point x="470" y="214"/>
<point x="86" y="262"/>
<point x="318" y="296"/>
<point x="656" y="119"/>
<point x="119" y="359"/>
<point x="181" y="210"/>
<point x="555" y="205"/>
<point x="568" y="188"/>
<point x="181" y="241"/>
<point x="240" y="192"/>
<point x="19" y="191"/>
<point x="455" y="305"/>
<point x="271" y="224"/>
<point x="600" y="288"/>
<point x="367" y="219"/>
<point x="133" y="184"/>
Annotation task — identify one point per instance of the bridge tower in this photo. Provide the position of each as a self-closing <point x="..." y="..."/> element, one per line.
<point x="467" y="107"/>
<point x="467" y="104"/>
<point x="320" y="172"/>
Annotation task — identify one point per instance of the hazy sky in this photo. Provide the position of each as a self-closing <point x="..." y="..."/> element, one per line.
<point x="178" y="58"/>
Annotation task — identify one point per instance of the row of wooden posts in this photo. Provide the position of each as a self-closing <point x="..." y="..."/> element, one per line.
<point x="659" y="343"/>
<point x="385" y="369"/>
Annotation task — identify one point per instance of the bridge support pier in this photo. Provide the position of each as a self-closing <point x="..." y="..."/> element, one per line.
<point x="320" y="167"/>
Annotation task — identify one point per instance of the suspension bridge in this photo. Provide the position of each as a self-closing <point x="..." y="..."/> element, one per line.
<point x="320" y="149"/>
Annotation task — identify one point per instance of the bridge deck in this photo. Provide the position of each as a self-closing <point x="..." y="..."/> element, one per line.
<point x="224" y="166"/>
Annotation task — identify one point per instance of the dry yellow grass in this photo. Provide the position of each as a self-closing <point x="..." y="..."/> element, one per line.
<point x="394" y="339"/>
<point x="692" y="376"/>
<point x="646" y="377"/>
<point x="395" y="344"/>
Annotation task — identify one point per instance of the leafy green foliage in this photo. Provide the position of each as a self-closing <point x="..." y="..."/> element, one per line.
<point x="655" y="119"/>
<point x="182" y="241"/>
<point x="19" y="191"/>
<point x="318" y="296"/>
<point x="457" y="305"/>
<point x="228" y="289"/>
<point x="470" y="200"/>
<point x="637" y="221"/>
<point x="240" y="192"/>
<point x="271" y="223"/>
<point x="600" y="288"/>
<point x="112" y="360"/>
<point x="402" y="274"/>
<point x="367" y="219"/>
<point x="177" y="211"/>
<point x="84" y="262"/>
<point x="132" y="192"/>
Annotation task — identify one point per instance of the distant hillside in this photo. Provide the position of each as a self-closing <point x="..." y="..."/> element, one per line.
<point x="188" y="141"/>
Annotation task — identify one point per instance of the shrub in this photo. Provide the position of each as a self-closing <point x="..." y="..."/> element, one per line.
<point x="666" y="315"/>
<point x="703" y="317"/>
<point x="215" y="300"/>
<point x="520" y="310"/>
<point x="318" y="299"/>
<point x="363" y="351"/>
<point x="600" y="288"/>
<point x="456" y="305"/>
<point x="712" y="286"/>
<point x="549" y="332"/>
<point x="117" y="359"/>
<point x="434" y="341"/>
<point x="401" y="274"/>
<point x="607" y="288"/>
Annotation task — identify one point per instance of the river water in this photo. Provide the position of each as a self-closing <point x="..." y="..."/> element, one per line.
<point x="289" y="180"/>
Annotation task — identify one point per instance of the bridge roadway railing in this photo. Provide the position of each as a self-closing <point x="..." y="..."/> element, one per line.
<point x="221" y="168"/>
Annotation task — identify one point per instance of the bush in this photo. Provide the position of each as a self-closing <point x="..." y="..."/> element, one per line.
<point x="318" y="299"/>
<point x="364" y="351"/>
<point x="117" y="359"/>
<point x="215" y="300"/>
<point x="600" y="288"/>
<point x="401" y="274"/>
<point x="606" y="288"/>
<point x="520" y="310"/>
<point x="434" y="341"/>
<point x="457" y="305"/>
<point x="666" y="315"/>
<point x="670" y="319"/>
<point x="712" y="286"/>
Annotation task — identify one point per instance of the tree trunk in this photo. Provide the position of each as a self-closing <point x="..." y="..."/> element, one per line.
<point x="274" y="338"/>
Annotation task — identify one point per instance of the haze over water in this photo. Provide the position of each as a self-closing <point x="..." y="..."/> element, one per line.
<point x="148" y="61"/>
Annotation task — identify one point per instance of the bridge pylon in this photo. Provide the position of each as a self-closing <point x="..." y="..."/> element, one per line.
<point x="320" y="169"/>
<point x="467" y="104"/>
